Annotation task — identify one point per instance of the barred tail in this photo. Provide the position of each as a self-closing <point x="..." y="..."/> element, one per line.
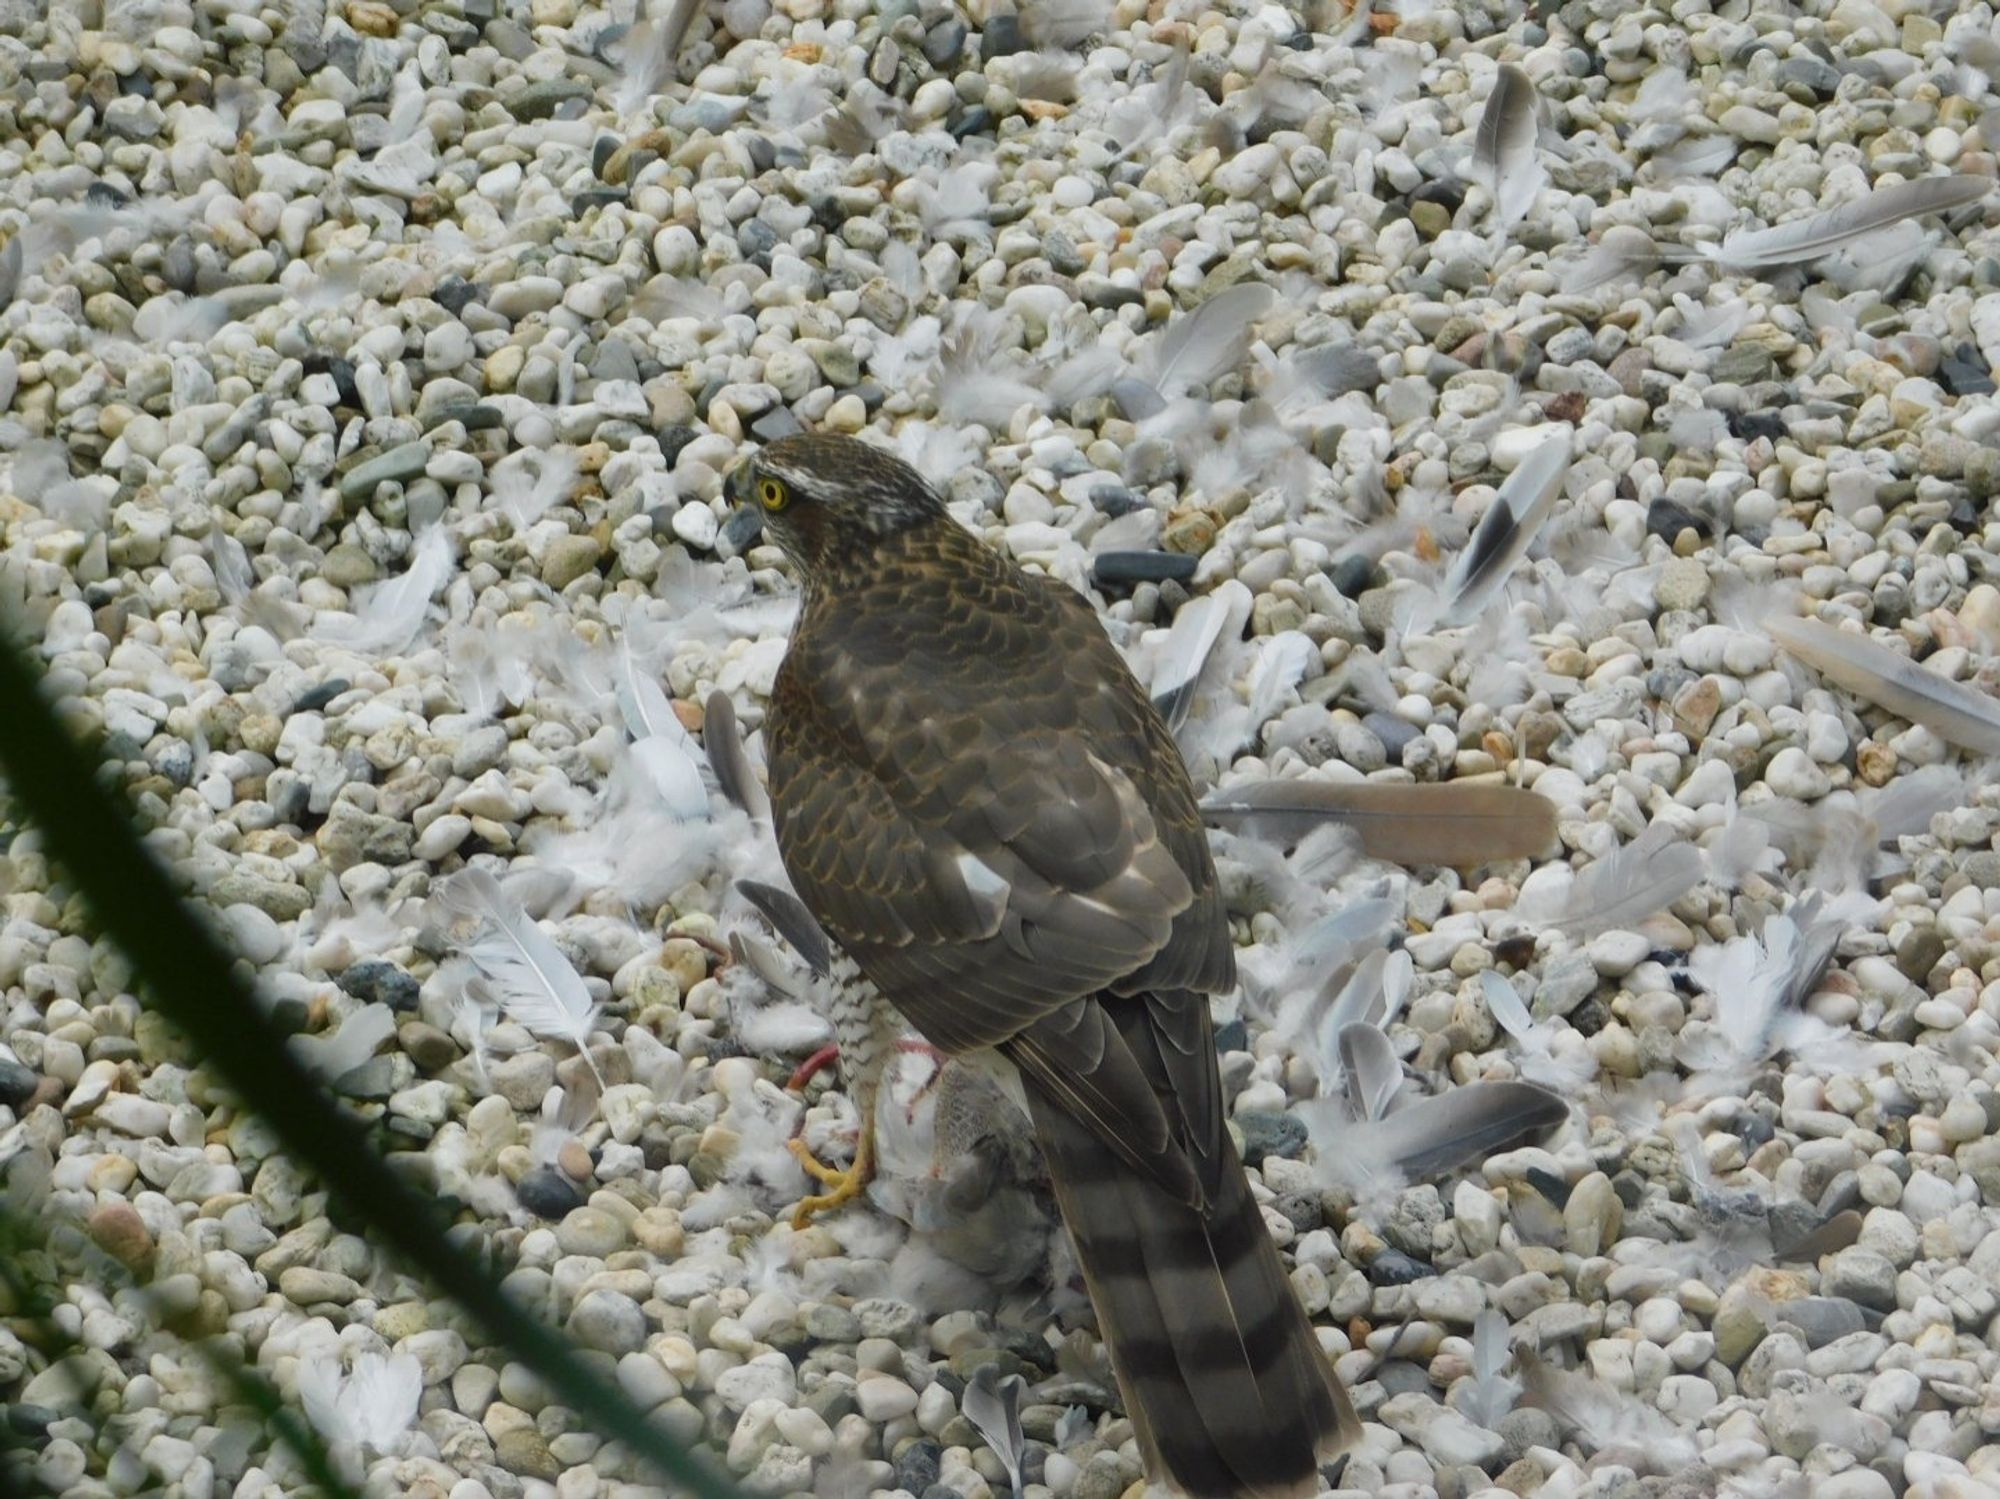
<point x="1222" y="1376"/>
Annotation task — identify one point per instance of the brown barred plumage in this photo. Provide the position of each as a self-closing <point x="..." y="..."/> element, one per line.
<point x="979" y="804"/>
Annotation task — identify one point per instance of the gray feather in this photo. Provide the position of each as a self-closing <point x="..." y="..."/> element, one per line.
<point x="1506" y="530"/>
<point x="1436" y="1136"/>
<point x="1824" y="233"/>
<point x="993" y="1406"/>
<point x="1201" y="346"/>
<point x="1503" y="150"/>
<point x="792" y="921"/>
<point x="1373" y="1074"/>
<point x="734" y="775"/>
<point x="1951" y="710"/>
<point x="1629" y="884"/>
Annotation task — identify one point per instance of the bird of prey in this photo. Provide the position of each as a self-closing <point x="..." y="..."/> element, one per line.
<point x="982" y="809"/>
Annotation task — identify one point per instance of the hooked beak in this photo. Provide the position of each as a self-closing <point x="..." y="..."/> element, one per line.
<point x="736" y="488"/>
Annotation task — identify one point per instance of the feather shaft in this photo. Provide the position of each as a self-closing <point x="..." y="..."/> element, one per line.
<point x="1831" y="230"/>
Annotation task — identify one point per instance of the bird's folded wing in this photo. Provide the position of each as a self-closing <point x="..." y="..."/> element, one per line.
<point x="1080" y="1058"/>
<point x="973" y="942"/>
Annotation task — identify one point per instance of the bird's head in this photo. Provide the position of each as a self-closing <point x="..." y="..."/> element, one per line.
<point x="829" y="500"/>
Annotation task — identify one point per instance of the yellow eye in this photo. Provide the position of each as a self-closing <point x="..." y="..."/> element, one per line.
<point x="772" y="494"/>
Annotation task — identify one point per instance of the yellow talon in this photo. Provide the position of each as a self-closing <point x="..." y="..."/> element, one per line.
<point x="847" y="1185"/>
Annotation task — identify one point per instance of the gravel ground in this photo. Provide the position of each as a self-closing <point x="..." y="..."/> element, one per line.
<point x="369" y="369"/>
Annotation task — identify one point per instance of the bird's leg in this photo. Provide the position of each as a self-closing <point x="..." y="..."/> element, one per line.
<point x="845" y="1185"/>
<point x="864" y="1031"/>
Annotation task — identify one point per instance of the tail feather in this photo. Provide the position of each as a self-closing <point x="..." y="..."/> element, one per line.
<point x="1223" y="1378"/>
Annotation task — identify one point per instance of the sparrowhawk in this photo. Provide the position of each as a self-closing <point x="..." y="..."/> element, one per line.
<point x="982" y="808"/>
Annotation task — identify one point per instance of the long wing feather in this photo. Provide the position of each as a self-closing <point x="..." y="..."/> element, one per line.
<point x="792" y="921"/>
<point x="1503" y="150"/>
<point x="1870" y="670"/>
<point x="1506" y="530"/>
<point x="1824" y="233"/>
<point x="533" y="981"/>
<point x="1446" y="824"/>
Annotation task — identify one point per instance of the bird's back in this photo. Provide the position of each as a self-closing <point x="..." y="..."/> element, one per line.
<point x="938" y="663"/>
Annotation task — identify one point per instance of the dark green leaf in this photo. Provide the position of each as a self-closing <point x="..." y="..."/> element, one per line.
<point x="186" y="975"/>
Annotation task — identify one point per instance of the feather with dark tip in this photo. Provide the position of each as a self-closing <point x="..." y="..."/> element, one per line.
<point x="1435" y="1136"/>
<point x="1440" y="823"/>
<point x="1503" y="150"/>
<point x="1870" y="670"/>
<point x="1508" y="528"/>
<point x="791" y="920"/>
<point x="727" y="757"/>
<point x="1833" y="229"/>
